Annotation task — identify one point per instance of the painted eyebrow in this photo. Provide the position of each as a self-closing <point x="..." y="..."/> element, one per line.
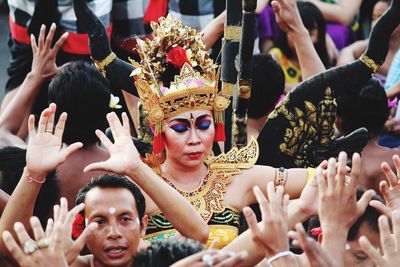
<point x="188" y="121"/>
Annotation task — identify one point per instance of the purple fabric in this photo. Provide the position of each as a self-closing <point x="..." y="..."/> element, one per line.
<point x="266" y="25"/>
<point x="268" y="28"/>
<point x="341" y="35"/>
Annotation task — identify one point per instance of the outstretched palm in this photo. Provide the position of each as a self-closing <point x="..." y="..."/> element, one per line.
<point x="123" y="154"/>
<point x="45" y="152"/>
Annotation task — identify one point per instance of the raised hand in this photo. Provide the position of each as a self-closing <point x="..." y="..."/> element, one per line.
<point x="65" y="219"/>
<point x="44" y="56"/>
<point x="124" y="157"/>
<point x="208" y="258"/>
<point x="45" y="151"/>
<point x="390" y="243"/>
<point x="287" y="15"/>
<point x="316" y="255"/>
<point x="338" y="190"/>
<point x="272" y="238"/>
<point x="40" y="251"/>
<point x="390" y="193"/>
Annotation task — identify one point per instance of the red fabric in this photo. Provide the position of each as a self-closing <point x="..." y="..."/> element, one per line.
<point x="18" y="32"/>
<point x="76" y="43"/>
<point x="78" y="226"/>
<point x="158" y="144"/>
<point x="219" y="132"/>
<point x="155" y="10"/>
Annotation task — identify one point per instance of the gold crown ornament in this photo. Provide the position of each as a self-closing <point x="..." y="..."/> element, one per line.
<point x="176" y="75"/>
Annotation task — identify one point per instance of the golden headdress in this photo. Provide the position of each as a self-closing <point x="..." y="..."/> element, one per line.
<point x="175" y="75"/>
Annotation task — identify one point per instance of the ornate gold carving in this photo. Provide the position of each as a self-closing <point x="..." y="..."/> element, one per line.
<point x="308" y="125"/>
<point x="233" y="33"/>
<point x="243" y="158"/>
<point x="208" y="198"/>
<point x="196" y="86"/>
<point x="221" y="103"/>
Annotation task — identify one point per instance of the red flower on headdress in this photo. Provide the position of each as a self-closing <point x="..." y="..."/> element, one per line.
<point x="78" y="226"/>
<point x="177" y="57"/>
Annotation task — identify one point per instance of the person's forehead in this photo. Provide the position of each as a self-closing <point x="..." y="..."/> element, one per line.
<point x="194" y="113"/>
<point x="98" y="199"/>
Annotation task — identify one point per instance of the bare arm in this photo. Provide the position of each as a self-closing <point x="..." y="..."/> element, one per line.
<point x="289" y="20"/>
<point x="213" y="30"/>
<point x="44" y="154"/>
<point x="299" y="210"/>
<point x="262" y="175"/>
<point x="343" y="12"/>
<point x="352" y="52"/>
<point x="3" y="201"/>
<point x="43" y="68"/>
<point x="125" y="160"/>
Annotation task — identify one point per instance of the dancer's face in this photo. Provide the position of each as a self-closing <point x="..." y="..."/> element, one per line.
<point x="189" y="137"/>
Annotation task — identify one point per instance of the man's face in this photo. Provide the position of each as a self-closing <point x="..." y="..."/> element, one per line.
<point x="354" y="256"/>
<point x="119" y="231"/>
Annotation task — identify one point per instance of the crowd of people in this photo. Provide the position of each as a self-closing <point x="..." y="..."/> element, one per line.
<point x="113" y="131"/>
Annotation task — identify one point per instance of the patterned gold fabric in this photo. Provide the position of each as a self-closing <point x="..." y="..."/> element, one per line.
<point x="208" y="198"/>
<point x="224" y="227"/>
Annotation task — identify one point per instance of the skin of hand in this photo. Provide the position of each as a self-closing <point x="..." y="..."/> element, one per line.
<point x="43" y="68"/>
<point x="390" y="243"/>
<point x="124" y="157"/>
<point x="45" y="152"/>
<point x="272" y="237"/>
<point x="338" y="190"/>
<point x="44" y="56"/>
<point x="62" y="248"/>
<point x="390" y="193"/>
<point x="218" y="259"/>
<point x="65" y="219"/>
<point x="51" y="256"/>
<point x="316" y="255"/>
<point x="287" y="16"/>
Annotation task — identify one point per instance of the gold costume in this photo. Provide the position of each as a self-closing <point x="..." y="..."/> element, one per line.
<point x="208" y="198"/>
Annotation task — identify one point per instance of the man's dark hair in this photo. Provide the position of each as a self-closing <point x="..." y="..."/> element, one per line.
<point x="367" y="108"/>
<point x="114" y="181"/>
<point x="12" y="163"/>
<point x="267" y="85"/>
<point x="166" y="252"/>
<point x="81" y="91"/>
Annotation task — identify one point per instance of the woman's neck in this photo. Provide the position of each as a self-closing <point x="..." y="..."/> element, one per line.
<point x="185" y="178"/>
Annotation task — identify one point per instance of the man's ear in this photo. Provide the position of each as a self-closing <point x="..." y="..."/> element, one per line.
<point x="143" y="225"/>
